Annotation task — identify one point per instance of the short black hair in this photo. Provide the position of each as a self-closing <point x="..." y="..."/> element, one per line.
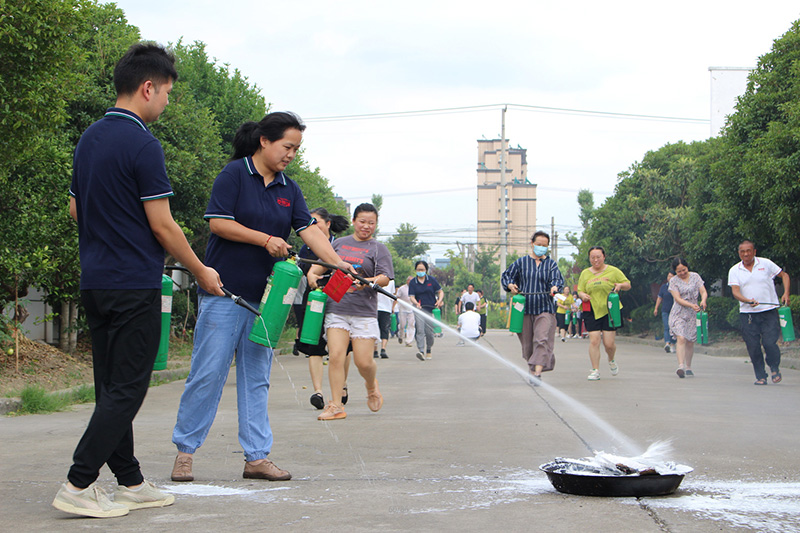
<point x="366" y="207"/>
<point x="144" y="61"/>
<point x="541" y="233"/>
<point x="469" y="306"/>
<point x="423" y="263"/>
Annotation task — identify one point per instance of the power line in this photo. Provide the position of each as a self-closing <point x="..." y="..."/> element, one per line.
<point x="522" y="107"/>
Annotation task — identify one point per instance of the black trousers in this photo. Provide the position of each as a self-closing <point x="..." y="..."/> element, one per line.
<point x="126" y="327"/>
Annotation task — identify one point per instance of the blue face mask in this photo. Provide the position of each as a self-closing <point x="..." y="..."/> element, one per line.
<point x="539" y="251"/>
<point x="420" y="274"/>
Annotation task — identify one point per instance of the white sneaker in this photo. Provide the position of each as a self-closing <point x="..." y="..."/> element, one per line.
<point x="91" y="501"/>
<point x="666" y="347"/>
<point x="594" y="375"/>
<point x="612" y="365"/>
<point x="145" y="497"/>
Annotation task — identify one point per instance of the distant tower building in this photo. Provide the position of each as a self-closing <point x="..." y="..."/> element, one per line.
<point x="727" y="84"/>
<point x="520" y="192"/>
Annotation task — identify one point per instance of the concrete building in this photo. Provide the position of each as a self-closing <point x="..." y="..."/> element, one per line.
<point x="520" y="195"/>
<point x="727" y="84"/>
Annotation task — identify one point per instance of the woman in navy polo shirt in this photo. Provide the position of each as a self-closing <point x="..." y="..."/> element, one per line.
<point x="252" y="209"/>
<point x="425" y="293"/>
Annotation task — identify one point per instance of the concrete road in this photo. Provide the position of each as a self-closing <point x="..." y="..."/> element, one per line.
<point x="456" y="446"/>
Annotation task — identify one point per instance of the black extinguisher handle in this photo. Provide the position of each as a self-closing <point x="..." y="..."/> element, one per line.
<point x="238" y="300"/>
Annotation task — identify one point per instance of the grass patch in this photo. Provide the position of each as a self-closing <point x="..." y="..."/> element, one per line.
<point x="36" y="400"/>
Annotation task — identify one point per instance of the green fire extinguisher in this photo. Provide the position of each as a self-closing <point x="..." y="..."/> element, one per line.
<point x="614" y="315"/>
<point x="517" y="313"/>
<point x="166" y="322"/>
<point x="314" y="316"/>
<point x="702" y="327"/>
<point x="437" y="314"/>
<point x="787" y="326"/>
<point x="276" y="303"/>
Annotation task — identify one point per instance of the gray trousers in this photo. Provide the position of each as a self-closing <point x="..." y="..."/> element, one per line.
<point x="424" y="335"/>
<point x="762" y="329"/>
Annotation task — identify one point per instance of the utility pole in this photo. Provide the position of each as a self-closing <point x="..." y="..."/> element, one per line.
<point x="555" y="239"/>
<point x="503" y="201"/>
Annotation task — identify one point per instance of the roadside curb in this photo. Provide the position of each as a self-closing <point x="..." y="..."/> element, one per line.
<point x="159" y="377"/>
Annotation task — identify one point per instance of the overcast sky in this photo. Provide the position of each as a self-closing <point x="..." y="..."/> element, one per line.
<point x="331" y="59"/>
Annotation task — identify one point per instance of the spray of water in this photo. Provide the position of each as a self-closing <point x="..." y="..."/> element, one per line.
<point x="616" y="436"/>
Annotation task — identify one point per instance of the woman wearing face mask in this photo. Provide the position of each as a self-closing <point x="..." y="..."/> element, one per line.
<point x="426" y="294"/>
<point x="354" y="319"/>
<point x="538" y="278"/>
<point x="594" y="286"/>
<point x="685" y="287"/>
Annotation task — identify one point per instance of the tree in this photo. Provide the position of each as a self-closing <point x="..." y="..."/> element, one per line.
<point x="756" y="181"/>
<point x="405" y="242"/>
<point x="37" y="74"/>
<point x="586" y="204"/>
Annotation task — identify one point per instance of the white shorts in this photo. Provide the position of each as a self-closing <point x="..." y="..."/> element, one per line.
<point x="359" y="327"/>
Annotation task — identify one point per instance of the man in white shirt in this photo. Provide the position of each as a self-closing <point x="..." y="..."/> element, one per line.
<point x="469" y="323"/>
<point x="470" y="296"/>
<point x="751" y="281"/>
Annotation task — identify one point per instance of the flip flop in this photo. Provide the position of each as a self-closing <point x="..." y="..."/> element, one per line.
<point x="776" y="377"/>
<point x="762" y="381"/>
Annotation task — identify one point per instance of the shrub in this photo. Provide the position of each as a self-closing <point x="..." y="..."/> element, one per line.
<point x="642" y="320"/>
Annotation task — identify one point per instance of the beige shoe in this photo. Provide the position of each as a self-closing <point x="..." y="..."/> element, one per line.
<point x="374" y="398"/>
<point x="147" y="496"/>
<point x="91" y="501"/>
<point x="266" y="470"/>
<point x="182" y="470"/>
<point x="332" y="412"/>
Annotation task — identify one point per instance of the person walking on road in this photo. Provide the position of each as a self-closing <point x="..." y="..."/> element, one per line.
<point x="119" y="197"/>
<point x="751" y="281"/>
<point x="538" y="277"/>
<point x="330" y="225"/>
<point x="594" y="286"/>
<point x="563" y="304"/>
<point x="252" y="210"/>
<point x="354" y="319"/>
<point x="405" y="317"/>
<point x="665" y="301"/>
<point x="685" y="287"/>
<point x="425" y="294"/>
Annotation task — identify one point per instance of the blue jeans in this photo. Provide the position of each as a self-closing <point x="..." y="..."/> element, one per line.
<point x="220" y="334"/>
<point x="762" y="329"/>
<point x="667" y="336"/>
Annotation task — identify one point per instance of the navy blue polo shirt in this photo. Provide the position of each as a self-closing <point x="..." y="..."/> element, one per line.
<point x="239" y="194"/>
<point x="118" y="165"/>
<point x="424" y="292"/>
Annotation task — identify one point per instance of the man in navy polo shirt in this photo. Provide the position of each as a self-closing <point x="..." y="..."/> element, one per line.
<point x="119" y="197"/>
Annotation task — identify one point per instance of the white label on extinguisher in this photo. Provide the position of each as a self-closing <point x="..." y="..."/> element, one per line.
<point x="315" y="306"/>
<point x="699" y="322"/>
<point x="609" y="304"/>
<point x="288" y="298"/>
<point x="519" y="306"/>
<point x="166" y="303"/>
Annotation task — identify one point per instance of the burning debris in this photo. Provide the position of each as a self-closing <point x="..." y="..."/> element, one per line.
<point x="605" y="474"/>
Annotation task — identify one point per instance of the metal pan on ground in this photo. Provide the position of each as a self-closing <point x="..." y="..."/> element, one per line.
<point x="583" y="480"/>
